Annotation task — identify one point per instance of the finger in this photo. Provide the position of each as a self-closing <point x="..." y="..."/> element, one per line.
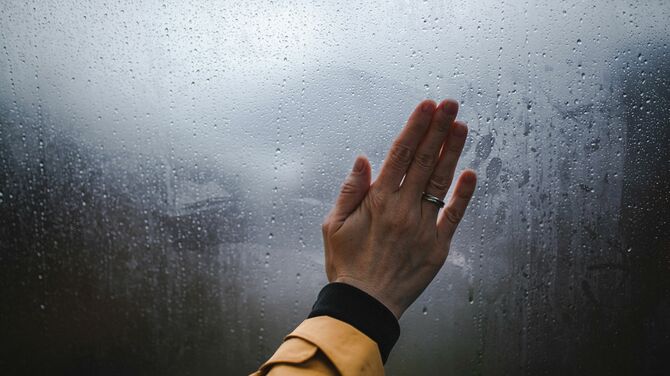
<point x="453" y="213"/>
<point x="443" y="175"/>
<point x="353" y="190"/>
<point x="428" y="152"/>
<point x="402" y="151"/>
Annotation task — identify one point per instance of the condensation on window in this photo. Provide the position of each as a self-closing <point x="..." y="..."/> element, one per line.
<point x="165" y="167"/>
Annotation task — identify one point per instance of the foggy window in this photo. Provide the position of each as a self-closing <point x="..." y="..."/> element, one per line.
<point x="165" y="167"/>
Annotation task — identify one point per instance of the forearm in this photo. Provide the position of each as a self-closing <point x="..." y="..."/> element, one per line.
<point x="348" y="332"/>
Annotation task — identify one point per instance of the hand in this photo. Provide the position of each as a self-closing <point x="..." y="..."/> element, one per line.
<point x="384" y="238"/>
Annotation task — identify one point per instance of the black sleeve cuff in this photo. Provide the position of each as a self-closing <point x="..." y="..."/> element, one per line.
<point x="360" y="310"/>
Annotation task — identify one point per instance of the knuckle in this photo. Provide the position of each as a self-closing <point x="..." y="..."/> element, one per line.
<point x="348" y="187"/>
<point x="425" y="161"/>
<point x="440" y="183"/>
<point x="400" y="156"/>
<point x="453" y="216"/>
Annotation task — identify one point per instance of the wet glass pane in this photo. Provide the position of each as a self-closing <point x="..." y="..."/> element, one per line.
<point x="165" y="167"/>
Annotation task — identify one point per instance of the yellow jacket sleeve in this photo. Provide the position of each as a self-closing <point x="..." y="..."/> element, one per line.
<point x="325" y="346"/>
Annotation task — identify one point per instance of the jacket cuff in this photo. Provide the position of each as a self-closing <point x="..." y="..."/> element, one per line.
<point x="360" y="310"/>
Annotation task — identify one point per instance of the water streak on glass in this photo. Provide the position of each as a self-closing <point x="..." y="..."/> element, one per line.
<point x="165" y="167"/>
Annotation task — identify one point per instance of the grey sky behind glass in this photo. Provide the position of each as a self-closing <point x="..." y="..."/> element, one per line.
<point x="235" y="122"/>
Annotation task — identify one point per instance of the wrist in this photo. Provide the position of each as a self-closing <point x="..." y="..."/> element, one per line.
<point x="364" y="312"/>
<point x="395" y="309"/>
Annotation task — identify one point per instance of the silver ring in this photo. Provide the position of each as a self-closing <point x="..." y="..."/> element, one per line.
<point x="432" y="199"/>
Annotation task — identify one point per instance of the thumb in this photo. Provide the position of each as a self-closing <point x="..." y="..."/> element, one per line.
<point x="353" y="190"/>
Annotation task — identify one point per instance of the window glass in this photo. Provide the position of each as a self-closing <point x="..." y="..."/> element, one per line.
<point x="165" y="167"/>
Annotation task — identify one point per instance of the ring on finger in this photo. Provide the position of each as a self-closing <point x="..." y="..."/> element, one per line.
<point x="432" y="199"/>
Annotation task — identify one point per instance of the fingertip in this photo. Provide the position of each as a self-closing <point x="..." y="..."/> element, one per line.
<point x="364" y="170"/>
<point x="362" y="166"/>
<point x="466" y="185"/>
<point x="427" y="105"/>
<point x="469" y="176"/>
<point x="450" y="106"/>
<point x="460" y="128"/>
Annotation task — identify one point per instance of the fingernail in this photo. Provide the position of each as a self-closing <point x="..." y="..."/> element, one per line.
<point x="358" y="166"/>
<point x="426" y="107"/>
